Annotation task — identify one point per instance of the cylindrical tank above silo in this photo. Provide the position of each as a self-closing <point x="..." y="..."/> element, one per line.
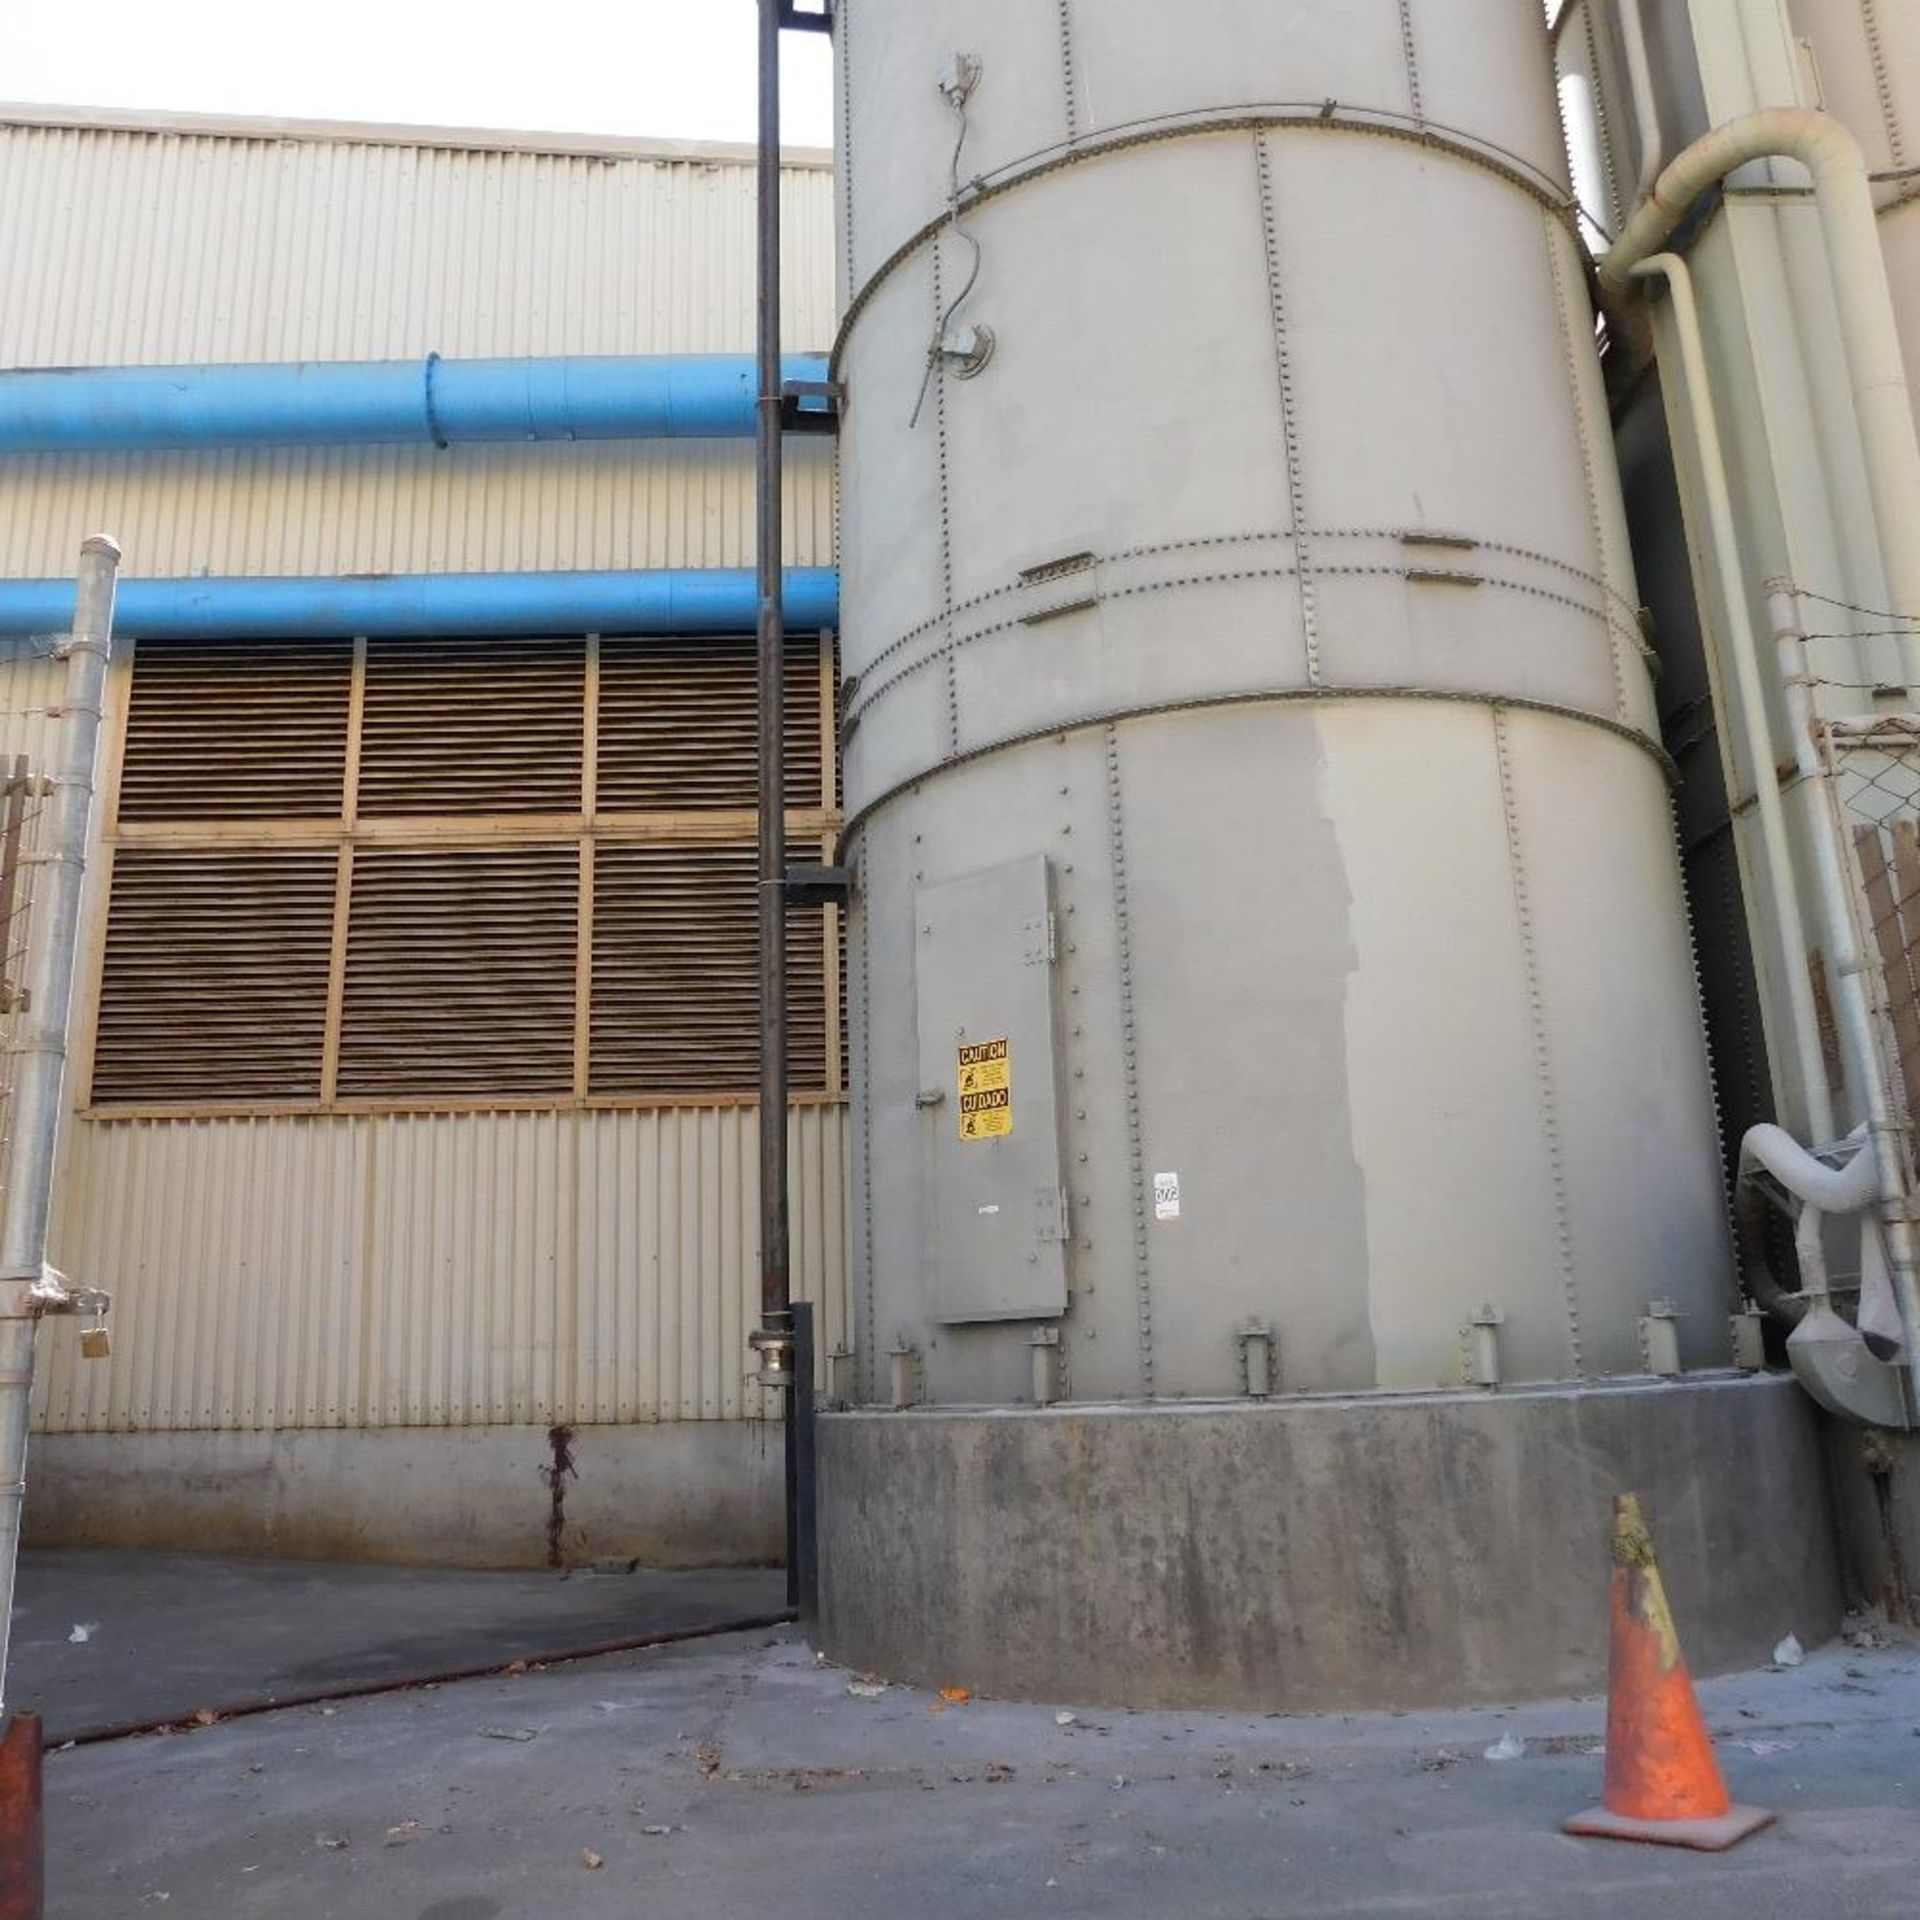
<point x="1273" y="1020"/>
<point x="1865" y="64"/>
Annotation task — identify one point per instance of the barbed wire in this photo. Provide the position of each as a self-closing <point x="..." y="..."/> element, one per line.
<point x="1909" y="621"/>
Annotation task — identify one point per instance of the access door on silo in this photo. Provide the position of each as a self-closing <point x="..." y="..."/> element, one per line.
<point x="984" y="983"/>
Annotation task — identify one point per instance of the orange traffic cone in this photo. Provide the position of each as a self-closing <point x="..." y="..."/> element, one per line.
<point x="1663" y="1782"/>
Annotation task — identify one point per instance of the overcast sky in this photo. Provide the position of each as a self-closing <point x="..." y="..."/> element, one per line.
<point x="675" y="69"/>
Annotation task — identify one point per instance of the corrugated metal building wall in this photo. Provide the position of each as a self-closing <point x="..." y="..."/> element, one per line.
<point x="492" y="1265"/>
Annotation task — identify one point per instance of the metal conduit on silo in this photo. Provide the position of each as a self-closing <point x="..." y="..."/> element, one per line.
<point x="1282" y="1119"/>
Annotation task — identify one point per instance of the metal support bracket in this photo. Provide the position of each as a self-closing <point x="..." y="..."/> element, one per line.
<point x="819" y="886"/>
<point x="811" y="406"/>
<point x="809" y="19"/>
<point x="1480" y="1345"/>
<point x="1660" y="1339"/>
<point x="1255" y="1339"/>
<point x="36" y="1296"/>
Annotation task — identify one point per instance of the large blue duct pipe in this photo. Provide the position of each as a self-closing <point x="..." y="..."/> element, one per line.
<point x="422" y="606"/>
<point x="383" y="402"/>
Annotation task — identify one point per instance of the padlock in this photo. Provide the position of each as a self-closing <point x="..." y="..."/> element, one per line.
<point x="95" y="1342"/>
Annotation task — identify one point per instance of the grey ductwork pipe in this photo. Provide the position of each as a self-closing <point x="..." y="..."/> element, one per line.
<point x="1842" y="1189"/>
<point x="1744" y="647"/>
<point x="1883" y="408"/>
<point x="1821" y="1189"/>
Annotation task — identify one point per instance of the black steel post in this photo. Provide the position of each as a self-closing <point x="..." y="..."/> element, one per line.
<point x="803" y="1579"/>
<point x="776" y="1275"/>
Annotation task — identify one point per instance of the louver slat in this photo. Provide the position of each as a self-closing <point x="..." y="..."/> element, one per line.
<point x="236" y="730"/>
<point x="675" y="979"/>
<point x="460" y="973"/>
<point x="473" y="726"/>
<point x="214" y="985"/>
<point x="678" y="727"/>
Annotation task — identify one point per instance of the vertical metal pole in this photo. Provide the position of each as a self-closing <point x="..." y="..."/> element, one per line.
<point x="39" y="1038"/>
<point x="1860" y="1035"/>
<point x="803" y="1577"/>
<point x="776" y="1276"/>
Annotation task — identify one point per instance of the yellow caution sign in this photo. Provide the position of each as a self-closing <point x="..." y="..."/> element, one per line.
<point x="985" y="1074"/>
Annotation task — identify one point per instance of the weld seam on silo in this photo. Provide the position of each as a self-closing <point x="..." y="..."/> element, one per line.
<point x="946" y="506"/>
<point x="1609" y="593"/>
<point x="1410" y="54"/>
<point x="1066" y="69"/>
<point x="843" y="54"/>
<point x="1261" y="696"/>
<point x="1289" y="411"/>
<point x="1309" y="116"/>
<point x="1129" y="1057"/>
<point x="1882" y="82"/>
<point x="1596" y="94"/>
<point x="872" y="694"/>
<point x="1576" y="399"/>
<point x="1542" y="1045"/>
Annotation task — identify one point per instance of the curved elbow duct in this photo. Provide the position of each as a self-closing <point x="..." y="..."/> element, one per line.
<point x="1834" y="1359"/>
<point x="1842" y="1189"/>
<point x="1869" y="335"/>
<point x="420" y="606"/>
<point x="386" y="402"/>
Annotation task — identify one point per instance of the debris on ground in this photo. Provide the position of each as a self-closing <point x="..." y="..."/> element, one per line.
<point x="400" y="1835"/>
<point x="1789" y="1653"/>
<point x="1863" y="1631"/>
<point x="592" y="1861"/>
<point x="1765" y="1747"/>
<point x="956" y="1696"/>
<point x="1066" y="1719"/>
<point x="1439" y="1762"/>
<point x="330" y="1842"/>
<point x="658" y="1833"/>
<point x="866" y="1689"/>
<point x="509" y="1733"/>
<point x="1508" y="1747"/>
<point x="83" y="1631"/>
<point x="205" y="1717"/>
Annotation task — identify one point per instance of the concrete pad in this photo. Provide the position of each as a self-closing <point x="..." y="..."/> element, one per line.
<point x="740" y="1777"/>
<point x="1318" y="1552"/>
<point x="168" y="1634"/>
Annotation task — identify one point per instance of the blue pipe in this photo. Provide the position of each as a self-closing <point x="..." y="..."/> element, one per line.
<point x="421" y="606"/>
<point x="383" y="402"/>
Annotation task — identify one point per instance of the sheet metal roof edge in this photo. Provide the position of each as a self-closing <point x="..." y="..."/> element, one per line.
<point x="159" y="121"/>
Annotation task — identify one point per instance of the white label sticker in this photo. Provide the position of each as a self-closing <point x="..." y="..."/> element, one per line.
<point x="1166" y="1196"/>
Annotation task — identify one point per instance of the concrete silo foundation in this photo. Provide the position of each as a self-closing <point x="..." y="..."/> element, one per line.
<point x="1336" y="1552"/>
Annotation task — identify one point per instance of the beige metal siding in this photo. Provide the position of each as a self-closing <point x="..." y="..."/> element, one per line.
<point x="430" y="1269"/>
<point x="407" y="1268"/>
<point x="125" y="248"/>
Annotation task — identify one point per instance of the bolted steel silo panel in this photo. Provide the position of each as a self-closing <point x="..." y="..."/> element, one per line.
<point x="1230" y="522"/>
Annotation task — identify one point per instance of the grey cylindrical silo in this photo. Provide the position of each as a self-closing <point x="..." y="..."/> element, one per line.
<point x="1253" y="783"/>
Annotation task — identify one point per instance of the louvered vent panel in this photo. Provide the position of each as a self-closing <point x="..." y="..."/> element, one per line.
<point x="241" y="729"/>
<point x="460" y="973"/>
<point x="678" y="726"/>
<point x="215" y="979"/>
<point x="473" y="726"/>
<point x="675" y="981"/>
